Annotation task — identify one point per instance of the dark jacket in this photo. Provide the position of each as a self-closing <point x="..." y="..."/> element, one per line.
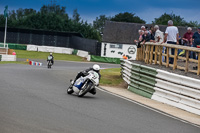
<point x="91" y="69"/>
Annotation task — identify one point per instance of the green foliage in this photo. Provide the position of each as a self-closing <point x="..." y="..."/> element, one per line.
<point x="177" y="20"/>
<point x="99" y="23"/>
<point x="76" y="16"/>
<point x="127" y="17"/>
<point x="50" y="17"/>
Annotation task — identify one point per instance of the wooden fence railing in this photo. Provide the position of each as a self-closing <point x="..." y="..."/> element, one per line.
<point x="152" y="53"/>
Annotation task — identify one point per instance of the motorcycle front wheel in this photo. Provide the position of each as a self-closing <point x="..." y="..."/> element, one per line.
<point x="70" y="90"/>
<point x="83" y="91"/>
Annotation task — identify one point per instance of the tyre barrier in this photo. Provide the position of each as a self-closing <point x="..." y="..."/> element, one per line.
<point x="33" y="63"/>
<point x="173" y="89"/>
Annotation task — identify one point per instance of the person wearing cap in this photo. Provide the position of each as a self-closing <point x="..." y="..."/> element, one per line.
<point x="196" y="41"/>
<point x="171" y="37"/>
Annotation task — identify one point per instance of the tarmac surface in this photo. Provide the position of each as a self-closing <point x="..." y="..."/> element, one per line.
<point x="176" y="113"/>
<point x="33" y="99"/>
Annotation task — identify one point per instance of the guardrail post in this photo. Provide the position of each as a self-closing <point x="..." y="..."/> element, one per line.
<point x="187" y="61"/>
<point x="167" y="62"/>
<point x="198" y="72"/>
<point x="175" y="58"/>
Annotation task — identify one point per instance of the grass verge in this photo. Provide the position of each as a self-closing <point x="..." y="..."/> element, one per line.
<point x="111" y="77"/>
<point x="43" y="55"/>
<point x="13" y="62"/>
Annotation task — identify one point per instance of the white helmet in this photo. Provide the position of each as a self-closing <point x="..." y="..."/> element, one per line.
<point x="50" y="53"/>
<point x="96" y="67"/>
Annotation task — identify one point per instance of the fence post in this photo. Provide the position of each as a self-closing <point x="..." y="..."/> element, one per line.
<point x="148" y="53"/>
<point x="198" y="71"/>
<point x="139" y="54"/>
<point x="175" y="58"/>
<point x="167" y="58"/>
<point x="151" y="53"/>
<point x="143" y="52"/>
<point x="156" y="54"/>
<point x="160" y="55"/>
<point x="187" y="61"/>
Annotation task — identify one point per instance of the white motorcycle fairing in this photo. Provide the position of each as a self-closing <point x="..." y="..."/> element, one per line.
<point x="80" y="82"/>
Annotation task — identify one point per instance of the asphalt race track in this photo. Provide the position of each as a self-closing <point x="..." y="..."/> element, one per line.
<point x="33" y="99"/>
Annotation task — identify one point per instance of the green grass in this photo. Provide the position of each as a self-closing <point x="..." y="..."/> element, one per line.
<point x="13" y="62"/>
<point x="43" y="55"/>
<point x="111" y="77"/>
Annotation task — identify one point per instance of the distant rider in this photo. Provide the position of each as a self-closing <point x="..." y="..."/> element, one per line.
<point x="84" y="73"/>
<point x="50" y="58"/>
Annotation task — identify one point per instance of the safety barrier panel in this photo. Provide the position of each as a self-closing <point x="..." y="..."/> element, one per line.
<point x="82" y="53"/>
<point x="49" y="49"/>
<point x="173" y="89"/>
<point x="32" y="47"/>
<point x="8" y="57"/>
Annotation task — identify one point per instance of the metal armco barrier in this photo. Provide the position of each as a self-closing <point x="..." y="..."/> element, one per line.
<point x="173" y="89"/>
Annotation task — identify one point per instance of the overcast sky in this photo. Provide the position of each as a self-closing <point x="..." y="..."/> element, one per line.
<point x="90" y="9"/>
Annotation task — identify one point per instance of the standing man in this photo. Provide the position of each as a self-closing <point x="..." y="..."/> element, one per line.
<point x="159" y="38"/>
<point x="171" y="37"/>
<point x="196" y="39"/>
<point x="158" y="34"/>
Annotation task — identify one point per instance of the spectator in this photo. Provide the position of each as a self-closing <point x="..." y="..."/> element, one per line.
<point x="171" y="37"/>
<point x="143" y="28"/>
<point x="187" y="37"/>
<point x="158" y="34"/>
<point x="152" y="38"/>
<point x="146" y="37"/>
<point x="141" y="32"/>
<point x="196" y="39"/>
<point x="186" y="40"/>
<point x="159" y="38"/>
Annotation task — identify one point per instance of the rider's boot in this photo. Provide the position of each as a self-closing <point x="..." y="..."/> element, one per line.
<point x="93" y="91"/>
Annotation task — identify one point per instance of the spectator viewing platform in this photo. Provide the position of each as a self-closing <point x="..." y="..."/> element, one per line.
<point x="152" y="53"/>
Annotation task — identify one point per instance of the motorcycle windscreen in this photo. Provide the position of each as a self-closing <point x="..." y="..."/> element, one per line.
<point x="49" y="57"/>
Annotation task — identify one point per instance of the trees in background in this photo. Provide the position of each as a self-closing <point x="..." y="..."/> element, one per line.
<point x="55" y="18"/>
<point x="99" y="23"/>
<point x="127" y="17"/>
<point x="177" y="20"/>
<point x="51" y="17"/>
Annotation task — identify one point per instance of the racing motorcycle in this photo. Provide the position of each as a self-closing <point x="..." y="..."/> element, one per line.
<point x="84" y="84"/>
<point x="49" y="63"/>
